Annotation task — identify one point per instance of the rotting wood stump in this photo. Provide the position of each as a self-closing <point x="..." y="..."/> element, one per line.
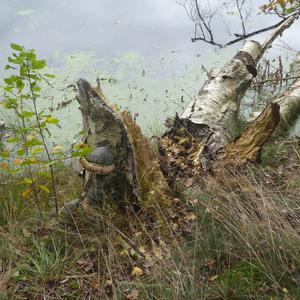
<point x="201" y="139"/>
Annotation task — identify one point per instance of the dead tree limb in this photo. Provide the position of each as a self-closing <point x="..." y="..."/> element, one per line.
<point x="208" y="124"/>
<point x="123" y="166"/>
<point x="247" y="146"/>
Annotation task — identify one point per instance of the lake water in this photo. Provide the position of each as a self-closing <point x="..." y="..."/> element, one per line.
<point x="141" y="50"/>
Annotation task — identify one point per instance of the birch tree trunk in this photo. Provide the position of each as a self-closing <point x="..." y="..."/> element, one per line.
<point x="204" y="134"/>
<point x="123" y="166"/>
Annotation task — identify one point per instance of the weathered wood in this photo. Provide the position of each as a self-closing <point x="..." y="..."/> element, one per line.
<point x="133" y="179"/>
<point x="104" y="128"/>
<point x="201" y="138"/>
<point x="209" y="121"/>
<point x="208" y="124"/>
<point x="213" y="111"/>
<point x="289" y="102"/>
<point x="154" y="190"/>
<point x="247" y="147"/>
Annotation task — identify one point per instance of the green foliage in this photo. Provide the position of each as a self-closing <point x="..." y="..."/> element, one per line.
<point x="25" y="151"/>
<point x="44" y="262"/>
<point x="283" y="7"/>
<point x="26" y="148"/>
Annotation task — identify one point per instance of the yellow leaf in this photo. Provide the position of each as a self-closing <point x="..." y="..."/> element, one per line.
<point x="30" y="137"/>
<point x="4" y="166"/>
<point x="27" y="192"/>
<point x="124" y="253"/>
<point x="136" y="271"/>
<point x="157" y="253"/>
<point x="282" y="3"/>
<point x="52" y="120"/>
<point x="134" y="295"/>
<point x="33" y="159"/>
<point x="28" y="180"/>
<point x="142" y="249"/>
<point x="57" y="148"/>
<point x="190" y="217"/>
<point x="17" y="161"/>
<point x="4" y="153"/>
<point x="43" y="188"/>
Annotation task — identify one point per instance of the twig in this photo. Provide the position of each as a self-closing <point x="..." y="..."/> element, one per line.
<point x="276" y="79"/>
<point x="282" y="24"/>
<point x="286" y="23"/>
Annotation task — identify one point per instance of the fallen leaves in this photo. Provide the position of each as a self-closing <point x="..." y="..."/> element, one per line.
<point x="85" y="264"/>
<point x="134" y="295"/>
<point x="136" y="272"/>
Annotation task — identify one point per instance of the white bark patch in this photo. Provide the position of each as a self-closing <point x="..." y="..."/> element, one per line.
<point x="217" y="103"/>
<point x="289" y="102"/>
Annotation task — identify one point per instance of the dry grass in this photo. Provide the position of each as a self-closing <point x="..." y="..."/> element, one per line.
<point x="235" y="238"/>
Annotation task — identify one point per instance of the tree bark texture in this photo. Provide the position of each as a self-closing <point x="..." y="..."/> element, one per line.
<point x="200" y="134"/>
<point x="135" y="170"/>
<point x="124" y="167"/>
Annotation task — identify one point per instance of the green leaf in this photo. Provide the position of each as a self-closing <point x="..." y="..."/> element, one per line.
<point x="13" y="140"/>
<point x="31" y="55"/>
<point x="9" y="67"/>
<point x="29" y="161"/>
<point x="10" y="80"/>
<point x="52" y="120"/>
<point x="11" y="60"/>
<point x="37" y="150"/>
<point x="5" y="153"/>
<point x="20" y="84"/>
<point x="43" y="188"/>
<point x="8" y="88"/>
<point x="10" y="103"/>
<point x="16" y="47"/>
<point x="28" y="180"/>
<point x="14" y="171"/>
<point x="36" y="89"/>
<point x="44" y="174"/>
<point x="33" y="142"/>
<point x="39" y="64"/>
<point x="49" y="75"/>
<point x="290" y="10"/>
<point x="22" y="130"/>
<point x="83" y="149"/>
<point x="27" y="114"/>
<point x="21" y="152"/>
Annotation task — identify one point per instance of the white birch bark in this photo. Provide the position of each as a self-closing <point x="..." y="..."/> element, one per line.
<point x="212" y="114"/>
<point x="217" y="103"/>
<point x="289" y="102"/>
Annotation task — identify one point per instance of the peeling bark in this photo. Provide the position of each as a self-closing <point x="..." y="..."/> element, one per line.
<point x="216" y="105"/>
<point x="134" y="180"/>
<point x="209" y="121"/>
<point x="202" y="138"/>
<point x="191" y="146"/>
<point x="103" y="127"/>
<point x="289" y="102"/>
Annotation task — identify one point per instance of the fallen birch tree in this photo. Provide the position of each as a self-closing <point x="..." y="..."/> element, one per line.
<point x="123" y="166"/>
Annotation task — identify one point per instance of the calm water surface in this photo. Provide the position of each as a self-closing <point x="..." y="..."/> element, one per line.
<point x="140" y="49"/>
